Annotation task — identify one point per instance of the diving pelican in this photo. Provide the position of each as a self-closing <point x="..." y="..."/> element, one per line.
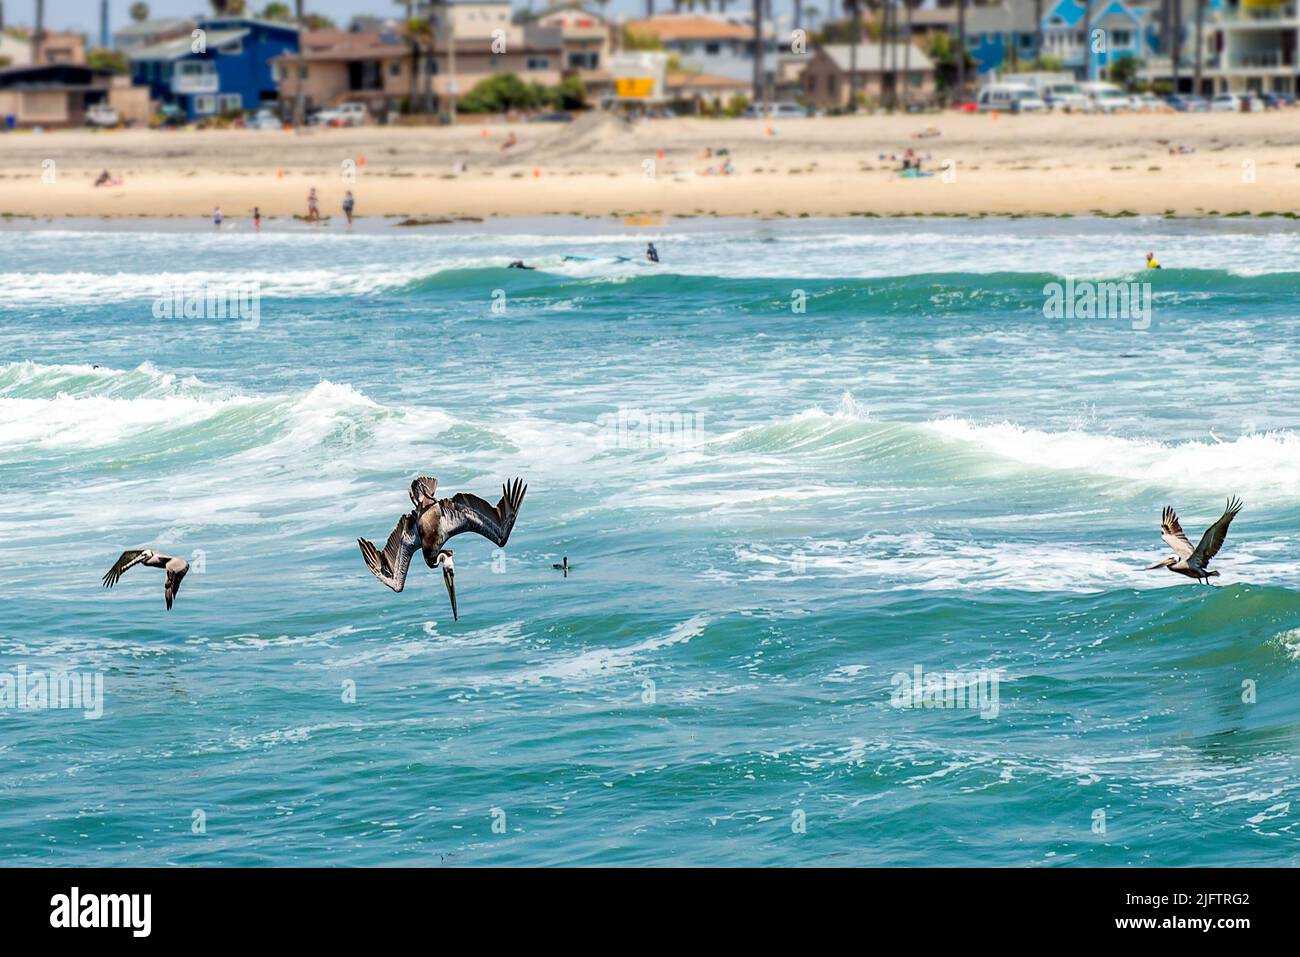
<point x="432" y="522"/>
<point x="1190" y="561"/>
<point x="175" y="567"/>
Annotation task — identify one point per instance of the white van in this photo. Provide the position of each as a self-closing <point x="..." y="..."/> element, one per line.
<point x="1106" y="97"/>
<point x="1009" y="98"/>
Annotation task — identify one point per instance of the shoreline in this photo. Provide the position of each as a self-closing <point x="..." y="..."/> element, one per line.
<point x="1233" y="165"/>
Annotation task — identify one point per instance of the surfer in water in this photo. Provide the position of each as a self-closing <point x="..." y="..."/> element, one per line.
<point x="1151" y="261"/>
<point x="651" y="254"/>
<point x="519" y="264"/>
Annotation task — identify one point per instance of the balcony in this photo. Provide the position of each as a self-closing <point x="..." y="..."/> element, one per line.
<point x="1259" y="60"/>
<point x="194" y="81"/>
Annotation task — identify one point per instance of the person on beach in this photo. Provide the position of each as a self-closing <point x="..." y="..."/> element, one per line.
<point x="313" y="207"/>
<point x="257" y="219"/>
<point x="216" y="216"/>
<point x="651" y="254"/>
<point x="348" y="203"/>
<point x="1151" y="261"/>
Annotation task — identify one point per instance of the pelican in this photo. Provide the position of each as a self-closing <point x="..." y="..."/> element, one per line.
<point x="175" y="567"/>
<point x="432" y="522"/>
<point x="563" y="567"/>
<point x="1190" y="561"/>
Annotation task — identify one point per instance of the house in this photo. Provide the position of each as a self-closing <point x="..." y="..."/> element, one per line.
<point x="586" y="38"/>
<point x="378" y="67"/>
<point x="55" y="95"/>
<point x="1250" y="45"/>
<point x="690" y="92"/>
<point x="55" y="48"/>
<point x="827" y="77"/>
<point x="144" y="33"/>
<point x="1002" y="37"/>
<point x="227" y="67"/>
<point x="720" y="45"/>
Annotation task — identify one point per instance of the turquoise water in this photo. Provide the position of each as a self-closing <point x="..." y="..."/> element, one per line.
<point x="770" y="514"/>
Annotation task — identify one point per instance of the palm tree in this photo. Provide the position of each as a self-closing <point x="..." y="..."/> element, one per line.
<point x="300" y="100"/>
<point x="419" y="33"/>
<point x="1087" y="39"/>
<point x="760" y="80"/>
<point x="231" y="8"/>
<point x="961" y="46"/>
<point x="1176" y="37"/>
<point x="1200" y="44"/>
<point x="38" y="37"/>
<point x="1038" y="30"/>
<point x="139" y="12"/>
<point x="854" y="9"/>
<point x="798" y="14"/>
<point x="909" y="6"/>
<point x="649" y="8"/>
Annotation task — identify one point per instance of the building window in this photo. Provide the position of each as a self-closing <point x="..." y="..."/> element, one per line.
<point x="1121" y="38"/>
<point x="233" y="48"/>
<point x="395" y="68"/>
<point x="205" y="104"/>
<point x="539" y="63"/>
<point x="229" y="101"/>
<point x="713" y="49"/>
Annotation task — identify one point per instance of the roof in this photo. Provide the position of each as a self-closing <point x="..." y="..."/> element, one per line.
<point x="871" y="56"/>
<point x="53" y="76"/>
<point x="351" y="45"/>
<point x="679" y="80"/>
<point x="144" y="28"/>
<point x="672" y="27"/>
<point x="181" y="46"/>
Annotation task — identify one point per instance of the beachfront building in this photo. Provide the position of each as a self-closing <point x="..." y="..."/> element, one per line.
<point x="14" y="51"/>
<point x="144" y="33"/>
<point x="1002" y="37"/>
<point x="720" y="45"/>
<point x="226" y="68"/>
<point x="587" y="40"/>
<point x="59" y="48"/>
<point x="828" y="77"/>
<point x="380" y="69"/>
<point x="1251" y="45"/>
<point x="58" y="95"/>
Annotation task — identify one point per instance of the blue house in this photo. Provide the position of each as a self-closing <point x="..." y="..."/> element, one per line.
<point x="1002" y="36"/>
<point x="224" y="65"/>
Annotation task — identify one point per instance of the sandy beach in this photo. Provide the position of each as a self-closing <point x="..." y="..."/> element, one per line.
<point x="600" y="166"/>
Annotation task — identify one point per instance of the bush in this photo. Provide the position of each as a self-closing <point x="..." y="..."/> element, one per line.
<point x="500" y="93"/>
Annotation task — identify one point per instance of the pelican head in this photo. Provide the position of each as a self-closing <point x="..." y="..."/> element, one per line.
<point x="448" y="566"/>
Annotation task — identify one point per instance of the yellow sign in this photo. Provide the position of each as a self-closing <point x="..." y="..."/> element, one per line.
<point x="634" y="87"/>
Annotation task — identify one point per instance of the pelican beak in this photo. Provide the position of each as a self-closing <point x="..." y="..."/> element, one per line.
<point x="449" y="579"/>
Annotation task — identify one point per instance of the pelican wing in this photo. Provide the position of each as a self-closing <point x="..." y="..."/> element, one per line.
<point x="465" y="512"/>
<point x="1172" y="533"/>
<point x="390" y="565"/>
<point x="172" y="586"/>
<point x="127" y="559"/>
<point x="1212" y="540"/>
<point x="424" y="491"/>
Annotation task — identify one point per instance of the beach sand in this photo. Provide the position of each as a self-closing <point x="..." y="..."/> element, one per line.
<point x="601" y="166"/>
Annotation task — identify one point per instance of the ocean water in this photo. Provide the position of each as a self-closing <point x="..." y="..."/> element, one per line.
<point x="790" y="463"/>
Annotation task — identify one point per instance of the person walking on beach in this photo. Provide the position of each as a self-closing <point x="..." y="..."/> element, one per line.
<point x="347" y="206"/>
<point x="216" y="216"/>
<point x="257" y="219"/>
<point x="313" y="207"/>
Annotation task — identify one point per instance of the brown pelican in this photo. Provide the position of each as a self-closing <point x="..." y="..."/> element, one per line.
<point x="563" y="567"/>
<point x="175" y="567"/>
<point x="432" y="522"/>
<point x="1190" y="561"/>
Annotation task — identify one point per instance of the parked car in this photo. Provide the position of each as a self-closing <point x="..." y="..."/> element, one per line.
<point x="264" y="119"/>
<point x="101" y="114"/>
<point x="1107" y="97"/>
<point x="1187" y="104"/>
<point x="1146" y="102"/>
<point x="1226" y="103"/>
<point x="776" y="111"/>
<point x="345" y="114"/>
<point x="551" y="118"/>
<point x="1011" y="98"/>
<point x="1065" y="96"/>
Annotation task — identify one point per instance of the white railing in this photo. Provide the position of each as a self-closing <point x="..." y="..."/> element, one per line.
<point x="196" y="83"/>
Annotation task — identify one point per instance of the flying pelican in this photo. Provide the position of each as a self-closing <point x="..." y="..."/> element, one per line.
<point x="432" y="522"/>
<point x="1190" y="561"/>
<point x="563" y="567"/>
<point x="175" y="567"/>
